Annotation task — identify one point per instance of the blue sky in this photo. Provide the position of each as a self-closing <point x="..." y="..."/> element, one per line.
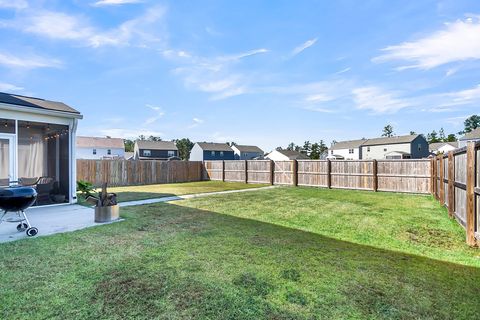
<point x="254" y="72"/>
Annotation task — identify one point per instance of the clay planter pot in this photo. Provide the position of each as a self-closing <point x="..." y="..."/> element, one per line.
<point x="107" y="214"/>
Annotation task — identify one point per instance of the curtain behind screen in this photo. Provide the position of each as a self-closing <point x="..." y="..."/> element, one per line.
<point x="32" y="154"/>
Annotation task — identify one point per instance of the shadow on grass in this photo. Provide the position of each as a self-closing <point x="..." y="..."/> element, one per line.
<point x="170" y="261"/>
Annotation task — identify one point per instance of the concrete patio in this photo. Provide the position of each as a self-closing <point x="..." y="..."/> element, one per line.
<point x="50" y="220"/>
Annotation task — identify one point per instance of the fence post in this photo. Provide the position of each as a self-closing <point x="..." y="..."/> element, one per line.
<point x="246" y="171"/>
<point x="442" y="181"/>
<point x="329" y="174"/>
<point x="295" y="172"/>
<point x="223" y="170"/>
<point x="451" y="185"/>
<point x="432" y="176"/>
<point x="436" y="180"/>
<point x="272" y="172"/>
<point x="470" y="227"/>
<point x="375" y="175"/>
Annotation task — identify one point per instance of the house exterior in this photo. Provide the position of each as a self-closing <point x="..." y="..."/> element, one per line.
<point x="100" y="148"/>
<point x="285" y="155"/>
<point x="37" y="139"/>
<point x="474" y="135"/>
<point x="398" y="147"/>
<point x="442" y="147"/>
<point x="202" y="151"/>
<point x="346" y="150"/>
<point x="154" y="150"/>
<point x="247" y="152"/>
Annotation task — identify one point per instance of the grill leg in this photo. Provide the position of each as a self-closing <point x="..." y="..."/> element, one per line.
<point x="25" y="217"/>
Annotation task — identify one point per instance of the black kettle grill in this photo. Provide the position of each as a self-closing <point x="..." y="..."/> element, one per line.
<point x="18" y="199"/>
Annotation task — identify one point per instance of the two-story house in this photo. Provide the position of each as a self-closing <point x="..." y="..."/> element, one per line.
<point x="442" y="147"/>
<point x="99" y="148"/>
<point x="346" y="150"/>
<point x="211" y="151"/>
<point x="473" y="135"/>
<point x="398" y="147"/>
<point x="247" y="152"/>
<point x="154" y="150"/>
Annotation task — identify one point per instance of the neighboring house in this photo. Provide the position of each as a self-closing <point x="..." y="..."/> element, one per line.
<point x="247" y="152"/>
<point x="37" y="139"/>
<point x="442" y="147"/>
<point x="100" y="148"/>
<point x="398" y="147"/>
<point x="129" y="155"/>
<point x="202" y="151"/>
<point x="154" y="150"/>
<point x="346" y="150"/>
<point x="474" y="135"/>
<point x="285" y="155"/>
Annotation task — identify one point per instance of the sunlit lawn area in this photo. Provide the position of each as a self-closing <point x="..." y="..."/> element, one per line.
<point x="284" y="253"/>
<point x="131" y="193"/>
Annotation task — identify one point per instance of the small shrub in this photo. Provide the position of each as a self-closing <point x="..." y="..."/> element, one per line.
<point x="85" y="187"/>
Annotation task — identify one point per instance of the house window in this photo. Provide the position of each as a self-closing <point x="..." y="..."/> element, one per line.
<point x="331" y="151"/>
<point x="171" y="153"/>
<point x="212" y="153"/>
<point x="147" y="153"/>
<point x="109" y="152"/>
<point x="350" y="150"/>
<point x="368" y="149"/>
<point x="419" y="147"/>
<point x="385" y="149"/>
<point x="221" y="153"/>
<point x="94" y="151"/>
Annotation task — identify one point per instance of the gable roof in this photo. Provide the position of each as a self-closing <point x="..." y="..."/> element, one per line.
<point x="99" y="142"/>
<point x="156" y="145"/>
<point x="474" y="134"/>
<point x="350" y="144"/>
<point x="37" y="103"/>
<point x="390" y="140"/>
<point x="243" y="148"/>
<point x="437" y="145"/>
<point x="293" y="155"/>
<point x="212" y="146"/>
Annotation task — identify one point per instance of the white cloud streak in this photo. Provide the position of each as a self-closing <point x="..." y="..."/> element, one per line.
<point x="8" y="87"/>
<point x="103" y="3"/>
<point x="158" y="114"/>
<point x="27" y="62"/>
<point x="458" y="41"/>
<point x="378" y="100"/>
<point x="307" y="44"/>
<point x="14" y="4"/>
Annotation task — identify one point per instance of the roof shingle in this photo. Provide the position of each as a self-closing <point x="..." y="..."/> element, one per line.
<point x="37" y="103"/>
<point x="212" y="146"/>
<point x="156" y="145"/>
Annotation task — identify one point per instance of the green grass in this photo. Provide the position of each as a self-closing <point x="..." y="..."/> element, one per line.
<point x="286" y="253"/>
<point x="132" y="193"/>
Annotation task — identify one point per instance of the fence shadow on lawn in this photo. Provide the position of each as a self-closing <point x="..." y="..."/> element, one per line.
<point x="186" y="262"/>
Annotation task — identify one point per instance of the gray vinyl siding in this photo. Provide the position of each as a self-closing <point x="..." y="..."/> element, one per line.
<point x="419" y="148"/>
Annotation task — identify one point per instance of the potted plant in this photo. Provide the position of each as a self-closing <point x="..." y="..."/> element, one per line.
<point x="106" y="206"/>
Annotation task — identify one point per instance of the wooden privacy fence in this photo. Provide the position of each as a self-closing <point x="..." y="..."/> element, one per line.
<point x="412" y="176"/>
<point x="125" y="172"/>
<point x="456" y="184"/>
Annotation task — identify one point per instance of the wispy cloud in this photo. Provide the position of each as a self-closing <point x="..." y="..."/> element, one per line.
<point x="457" y="41"/>
<point x="28" y="62"/>
<point x="114" y="2"/>
<point x="307" y="44"/>
<point x="216" y="75"/>
<point x="8" y="87"/>
<point x="125" y="133"/>
<point x="378" y="100"/>
<point x="62" y="26"/>
<point x="343" y="70"/>
<point x="196" y="123"/>
<point x="14" y="4"/>
<point x="158" y="113"/>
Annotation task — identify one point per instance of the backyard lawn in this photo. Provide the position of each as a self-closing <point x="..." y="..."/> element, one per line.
<point x="283" y="253"/>
<point x="132" y="193"/>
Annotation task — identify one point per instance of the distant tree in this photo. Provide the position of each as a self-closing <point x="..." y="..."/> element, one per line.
<point x="184" y="147"/>
<point x="412" y="133"/>
<point x="307" y="148"/>
<point x="278" y="148"/>
<point x="129" y="145"/>
<point x="433" y="137"/>
<point x="231" y="144"/>
<point x="318" y="150"/>
<point x="441" y="135"/>
<point x="154" y="138"/>
<point x="451" y="138"/>
<point x="291" y="146"/>
<point x="141" y="137"/>
<point x="387" y="131"/>
<point x="471" y="123"/>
